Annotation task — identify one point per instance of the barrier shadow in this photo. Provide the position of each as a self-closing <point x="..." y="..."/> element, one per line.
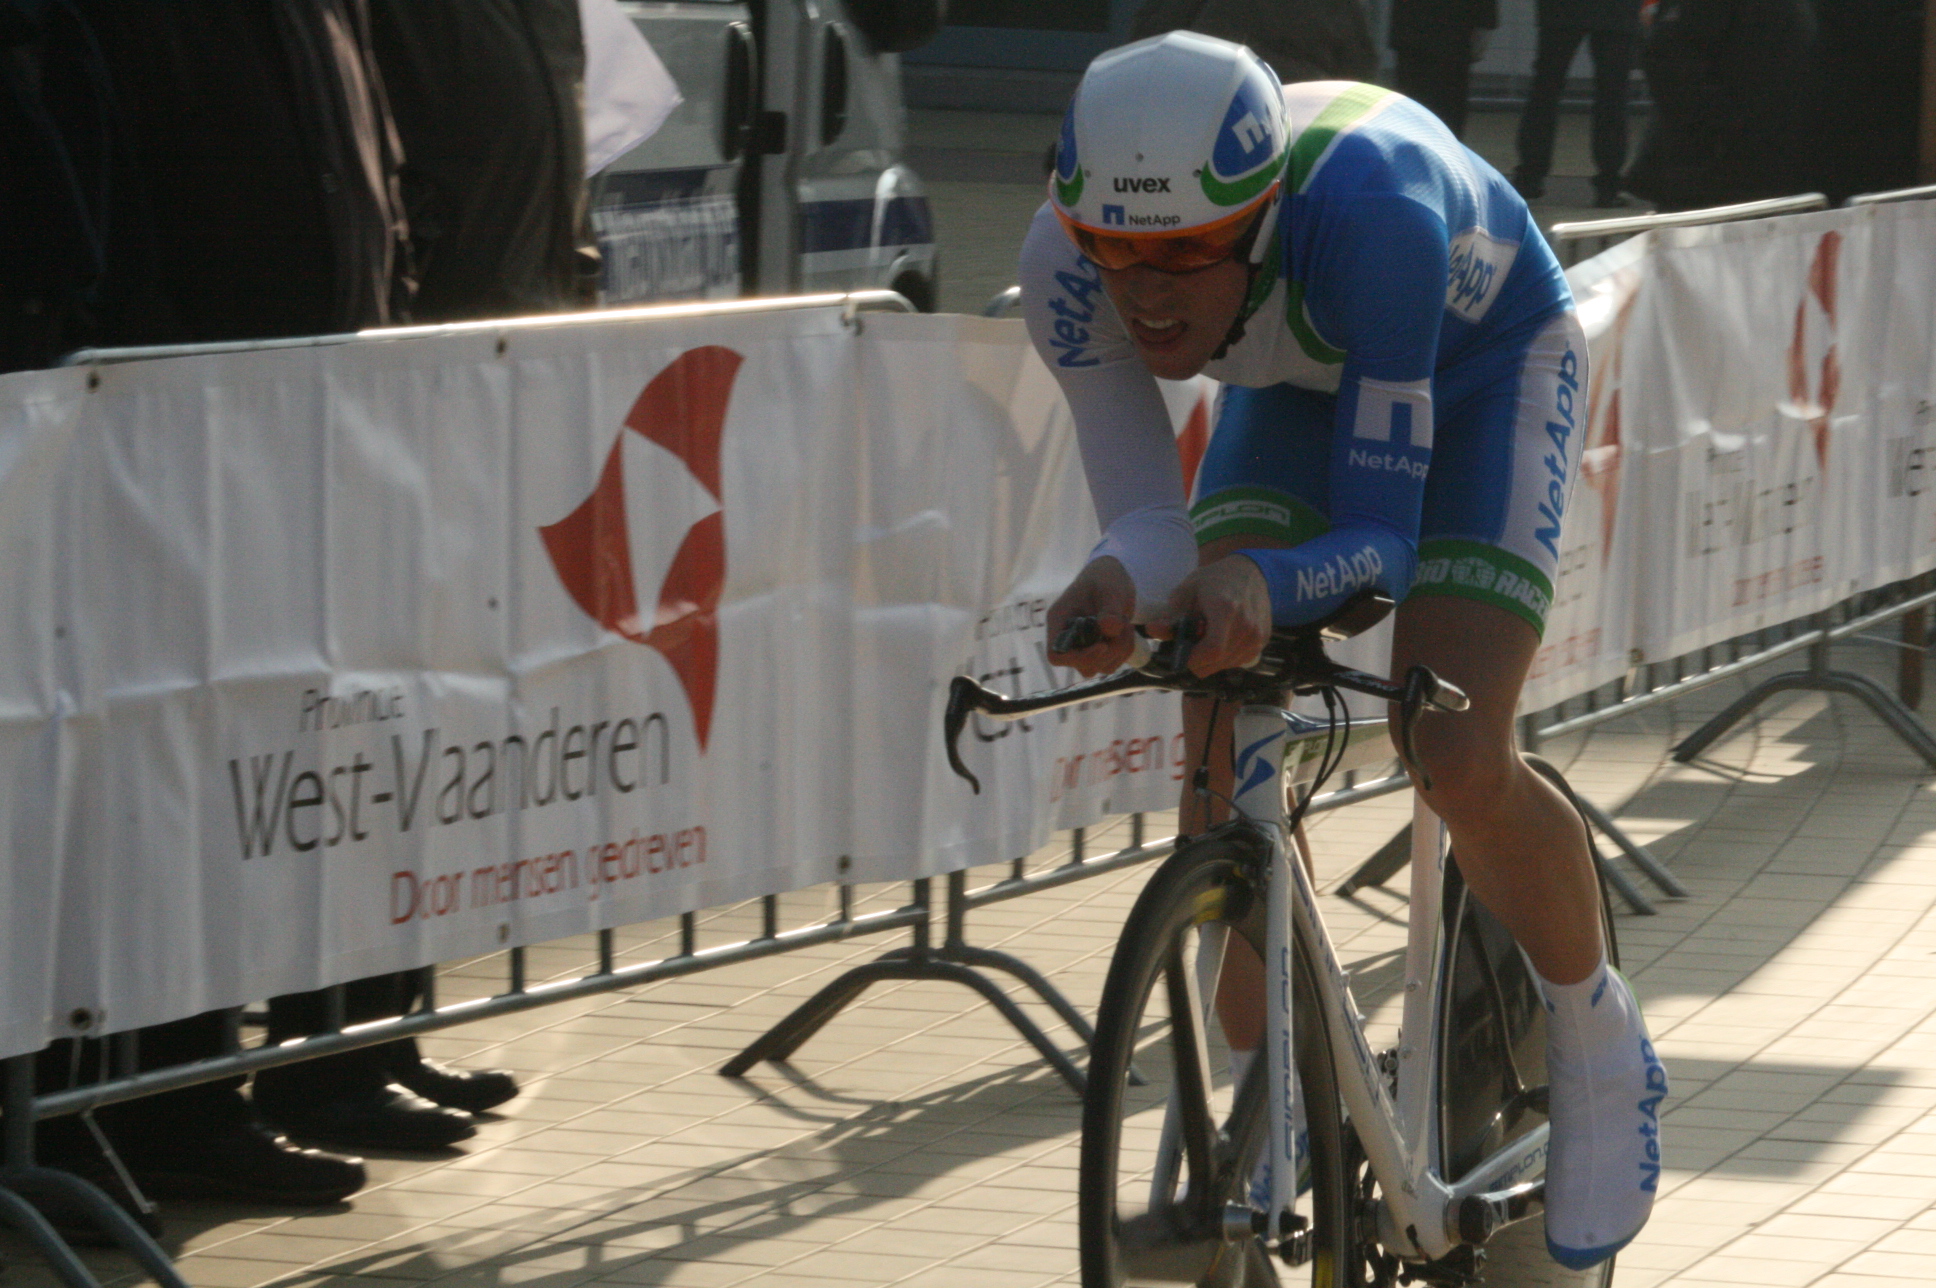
<point x="889" y="1152"/>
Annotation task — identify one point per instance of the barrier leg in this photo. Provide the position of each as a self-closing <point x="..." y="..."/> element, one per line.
<point x="118" y="1225"/>
<point x="995" y="959"/>
<point x="1820" y="678"/>
<point x="786" y="1037"/>
<point x="18" y="1172"/>
<point x="1915" y="651"/>
<point x="22" y="1216"/>
<point x="956" y="961"/>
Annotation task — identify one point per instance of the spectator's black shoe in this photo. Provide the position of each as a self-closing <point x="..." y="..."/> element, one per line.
<point x="361" y="1114"/>
<point x="1528" y="187"/>
<point x="242" y="1160"/>
<point x="472" y="1090"/>
<point x="1607" y="196"/>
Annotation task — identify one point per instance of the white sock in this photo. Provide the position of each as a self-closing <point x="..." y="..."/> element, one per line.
<point x="1606" y="1085"/>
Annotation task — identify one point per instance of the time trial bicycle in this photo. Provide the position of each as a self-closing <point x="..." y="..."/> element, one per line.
<point x="1422" y="1163"/>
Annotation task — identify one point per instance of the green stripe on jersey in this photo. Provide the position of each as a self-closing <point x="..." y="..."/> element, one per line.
<point x="1256" y="512"/>
<point x="1474" y="570"/>
<point x="1338" y="116"/>
<point x="1299" y="321"/>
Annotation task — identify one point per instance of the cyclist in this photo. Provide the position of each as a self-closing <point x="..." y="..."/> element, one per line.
<point x="1403" y="407"/>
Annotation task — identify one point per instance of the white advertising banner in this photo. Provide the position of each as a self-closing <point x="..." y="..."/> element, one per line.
<point x="1896" y="524"/>
<point x="336" y="660"/>
<point x="1753" y="440"/>
<point x="1590" y="625"/>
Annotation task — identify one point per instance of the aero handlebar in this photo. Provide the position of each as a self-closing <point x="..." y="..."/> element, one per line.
<point x="1294" y="660"/>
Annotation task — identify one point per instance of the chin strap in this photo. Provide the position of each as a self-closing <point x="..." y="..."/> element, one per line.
<point x="1260" y="262"/>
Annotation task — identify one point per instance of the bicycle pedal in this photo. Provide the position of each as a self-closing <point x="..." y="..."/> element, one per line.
<point x="1294" y="1239"/>
<point x="1459" y="1268"/>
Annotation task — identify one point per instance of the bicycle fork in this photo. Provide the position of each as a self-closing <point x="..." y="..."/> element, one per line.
<point x="1258" y="795"/>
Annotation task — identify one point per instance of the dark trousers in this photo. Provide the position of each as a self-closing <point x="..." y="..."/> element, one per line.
<point x="1613" y="60"/>
<point x="296" y="1015"/>
<point x="152" y="1123"/>
<point x="1439" y="76"/>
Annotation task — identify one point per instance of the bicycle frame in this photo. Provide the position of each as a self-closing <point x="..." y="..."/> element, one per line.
<point x="1421" y="1215"/>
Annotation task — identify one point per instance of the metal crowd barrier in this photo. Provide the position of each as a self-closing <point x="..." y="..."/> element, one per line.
<point x="21" y="1108"/>
<point x="1584" y="240"/>
<point x="1923" y="193"/>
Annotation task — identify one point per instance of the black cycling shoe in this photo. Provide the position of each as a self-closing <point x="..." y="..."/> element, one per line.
<point x="472" y="1090"/>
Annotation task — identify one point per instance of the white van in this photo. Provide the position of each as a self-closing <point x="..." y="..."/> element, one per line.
<point x="781" y="172"/>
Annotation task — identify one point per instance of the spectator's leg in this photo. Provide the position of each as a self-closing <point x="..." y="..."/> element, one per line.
<point x="1438" y="76"/>
<point x="197" y="1142"/>
<point x="1540" y="119"/>
<point x="349" y="1099"/>
<point x="1613" y="60"/>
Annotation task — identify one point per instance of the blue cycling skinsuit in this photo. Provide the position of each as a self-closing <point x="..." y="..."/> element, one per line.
<point x="1405" y="402"/>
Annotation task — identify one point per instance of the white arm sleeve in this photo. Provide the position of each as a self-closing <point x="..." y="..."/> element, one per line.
<point x="1122" y="424"/>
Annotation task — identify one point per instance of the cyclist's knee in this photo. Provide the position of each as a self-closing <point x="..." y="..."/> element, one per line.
<point x="1472" y="775"/>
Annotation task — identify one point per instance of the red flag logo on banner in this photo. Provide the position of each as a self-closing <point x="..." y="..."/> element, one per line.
<point x="677" y="421"/>
<point x="1814" y="384"/>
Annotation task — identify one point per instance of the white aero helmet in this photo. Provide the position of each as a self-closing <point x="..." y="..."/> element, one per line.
<point x="1168" y="147"/>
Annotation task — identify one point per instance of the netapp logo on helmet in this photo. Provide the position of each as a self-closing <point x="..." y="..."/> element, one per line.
<point x="1245" y="142"/>
<point x="1142" y="185"/>
<point x="1155" y="221"/>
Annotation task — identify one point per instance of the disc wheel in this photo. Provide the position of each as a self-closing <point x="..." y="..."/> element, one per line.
<point x="1153" y="1210"/>
<point x="1492" y="1046"/>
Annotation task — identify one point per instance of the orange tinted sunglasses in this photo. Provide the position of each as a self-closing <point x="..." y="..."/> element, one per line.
<point x="1185" y="252"/>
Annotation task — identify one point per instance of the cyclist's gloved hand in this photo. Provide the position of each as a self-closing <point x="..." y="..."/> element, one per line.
<point x="1102" y="591"/>
<point x="1232" y="601"/>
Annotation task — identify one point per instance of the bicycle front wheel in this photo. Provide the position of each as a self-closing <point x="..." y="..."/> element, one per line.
<point x="1168" y="1148"/>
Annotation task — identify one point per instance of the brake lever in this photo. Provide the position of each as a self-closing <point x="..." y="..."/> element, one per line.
<point x="964" y="699"/>
<point x="1189" y="630"/>
<point x="1424" y="689"/>
<point x="1078" y="633"/>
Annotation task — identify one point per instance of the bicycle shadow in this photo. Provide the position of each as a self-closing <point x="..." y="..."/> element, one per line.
<point x="873" y="1161"/>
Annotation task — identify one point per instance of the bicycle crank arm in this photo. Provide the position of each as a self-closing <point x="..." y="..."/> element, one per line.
<point x="1480" y="1216"/>
<point x="1154" y="1247"/>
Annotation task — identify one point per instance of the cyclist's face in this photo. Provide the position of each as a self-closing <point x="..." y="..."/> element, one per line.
<point x="1177" y="320"/>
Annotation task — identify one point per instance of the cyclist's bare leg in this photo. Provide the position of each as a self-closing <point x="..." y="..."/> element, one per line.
<point x="1523" y="850"/>
<point x="1521" y="846"/>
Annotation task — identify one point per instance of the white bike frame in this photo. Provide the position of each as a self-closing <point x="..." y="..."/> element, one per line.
<point x="1419" y="1214"/>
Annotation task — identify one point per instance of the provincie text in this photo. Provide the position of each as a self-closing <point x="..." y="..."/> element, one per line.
<point x="418" y="781"/>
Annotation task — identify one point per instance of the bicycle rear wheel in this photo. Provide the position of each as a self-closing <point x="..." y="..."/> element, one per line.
<point x="1492" y="1045"/>
<point x="1152" y="1204"/>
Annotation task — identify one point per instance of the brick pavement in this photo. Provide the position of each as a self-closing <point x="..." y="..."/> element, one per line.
<point x="916" y="1141"/>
